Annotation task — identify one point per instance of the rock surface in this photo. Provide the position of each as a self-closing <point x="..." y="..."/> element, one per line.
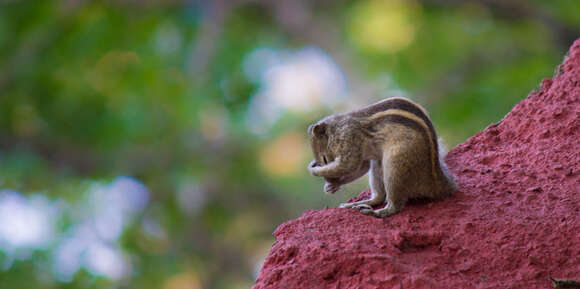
<point x="514" y="222"/>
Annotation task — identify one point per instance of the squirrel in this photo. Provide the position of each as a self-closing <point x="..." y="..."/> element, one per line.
<point x="395" y="140"/>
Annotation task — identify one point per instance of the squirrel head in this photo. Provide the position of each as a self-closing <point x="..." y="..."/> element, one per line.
<point x="319" y="135"/>
<point x="332" y="134"/>
<point x="324" y="139"/>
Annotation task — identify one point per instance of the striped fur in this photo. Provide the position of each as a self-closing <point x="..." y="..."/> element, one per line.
<point x="401" y="104"/>
<point x="415" y="122"/>
<point x="398" y="139"/>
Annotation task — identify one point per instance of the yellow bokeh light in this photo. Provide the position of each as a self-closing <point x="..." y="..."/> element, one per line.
<point x="284" y="156"/>
<point x="187" y="280"/>
<point x="385" y="26"/>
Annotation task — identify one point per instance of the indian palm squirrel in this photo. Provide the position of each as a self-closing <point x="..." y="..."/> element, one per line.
<point x="395" y="140"/>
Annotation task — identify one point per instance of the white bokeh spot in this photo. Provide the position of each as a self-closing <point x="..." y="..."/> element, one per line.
<point x="294" y="81"/>
<point x="26" y="223"/>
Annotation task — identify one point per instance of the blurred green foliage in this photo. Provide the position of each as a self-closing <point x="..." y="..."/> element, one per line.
<point x="91" y="91"/>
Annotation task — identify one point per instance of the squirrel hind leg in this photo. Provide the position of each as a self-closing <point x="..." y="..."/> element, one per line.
<point x="397" y="179"/>
<point x="388" y="210"/>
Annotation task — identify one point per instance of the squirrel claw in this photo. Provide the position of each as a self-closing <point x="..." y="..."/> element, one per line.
<point x="331" y="188"/>
<point x="362" y="207"/>
<point x="367" y="211"/>
<point x="345" y="205"/>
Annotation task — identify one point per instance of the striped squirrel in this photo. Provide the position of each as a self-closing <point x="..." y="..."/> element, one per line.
<point x="395" y="140"/>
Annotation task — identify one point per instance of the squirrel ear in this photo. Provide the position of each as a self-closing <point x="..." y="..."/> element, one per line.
<point x="319" y="129"/>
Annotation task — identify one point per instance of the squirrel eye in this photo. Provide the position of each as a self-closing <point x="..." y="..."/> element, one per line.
<point x="324" y="159"/>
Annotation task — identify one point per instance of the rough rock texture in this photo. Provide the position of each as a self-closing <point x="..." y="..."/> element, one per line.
<point x="514" y="223"/>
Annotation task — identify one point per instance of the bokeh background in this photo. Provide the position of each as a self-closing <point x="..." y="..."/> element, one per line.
<point x="158" y="144"/>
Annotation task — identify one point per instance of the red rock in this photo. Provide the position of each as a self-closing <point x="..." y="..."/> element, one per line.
<point x="514" y="222"/>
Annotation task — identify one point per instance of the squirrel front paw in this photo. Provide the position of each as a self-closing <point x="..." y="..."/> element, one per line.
<point x="331" y="188"/>
<point x="314" y="168"/>
<point x="312" y="164"/>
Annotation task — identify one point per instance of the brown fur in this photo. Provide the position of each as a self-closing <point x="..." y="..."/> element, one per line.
<point x="396" y="140"/>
